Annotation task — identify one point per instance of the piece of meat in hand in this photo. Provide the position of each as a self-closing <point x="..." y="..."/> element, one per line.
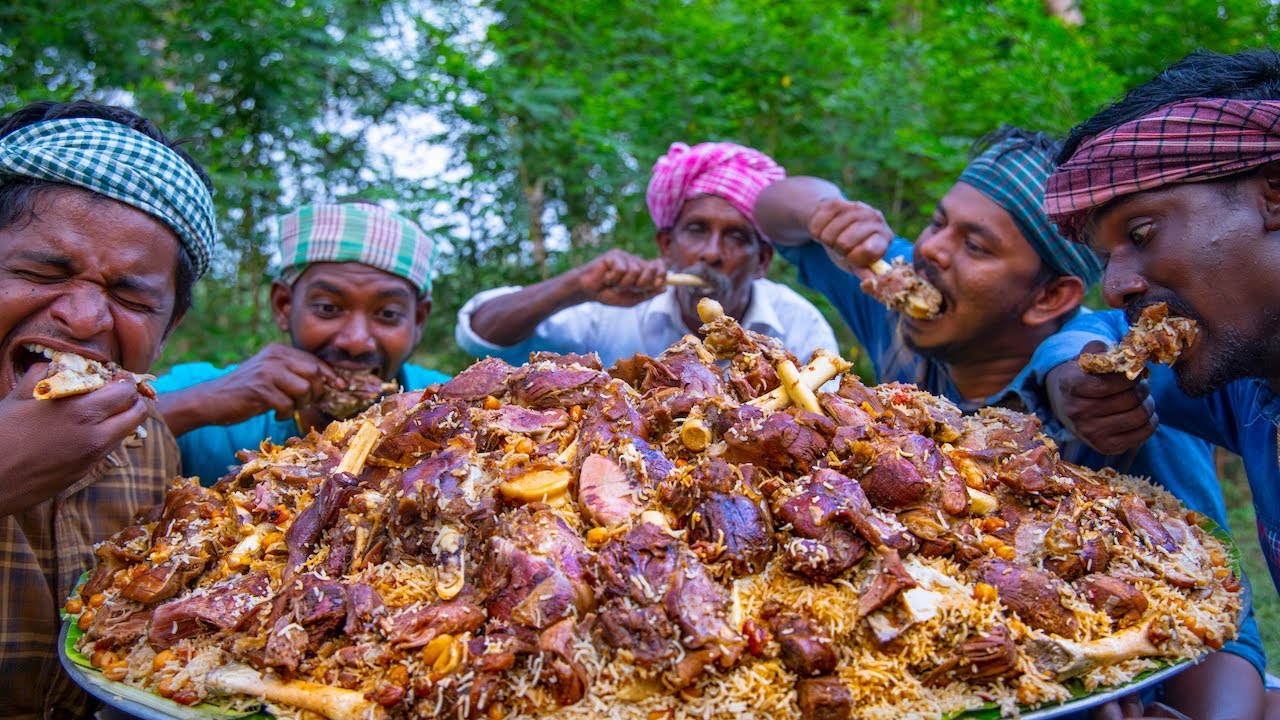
<point x="1156" y="337"/>
<point x="358" y="391"/>
<point x="901" y="289"/>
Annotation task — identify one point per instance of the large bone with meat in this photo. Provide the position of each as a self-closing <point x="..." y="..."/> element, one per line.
<point x="1064" y="658"/>
<point x="331" y="702"/>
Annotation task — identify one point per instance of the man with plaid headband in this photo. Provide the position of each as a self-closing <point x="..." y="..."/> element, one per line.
<point x="1009" y="283"/>
<point x="701" y="200"/>
<point x="1178" y="186"/>
<point x="354" y="293"/>
<point x="104" y="226"/>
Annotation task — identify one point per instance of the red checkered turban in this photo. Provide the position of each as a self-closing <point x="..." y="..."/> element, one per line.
<point x="1188" y="141"/>
<point x="733" y="172"/>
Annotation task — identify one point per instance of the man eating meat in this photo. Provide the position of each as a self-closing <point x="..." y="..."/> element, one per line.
<point x="701" y="200"/>
<point x="353" y="295"/>
<point x="104" y="226"/>
<point x="1178" y="186"/>
<point x="1009" y="281"/>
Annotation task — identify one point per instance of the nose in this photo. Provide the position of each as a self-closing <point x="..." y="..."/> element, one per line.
<point x="84" y="311"/>
<point x="936" y="248"/>
<point x="355" y="338"/>
<point x="711" y="250"/>
<point x="1121" y="282"/>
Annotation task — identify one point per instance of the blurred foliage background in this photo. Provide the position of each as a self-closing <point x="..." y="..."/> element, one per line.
<point x="521" y="132"/>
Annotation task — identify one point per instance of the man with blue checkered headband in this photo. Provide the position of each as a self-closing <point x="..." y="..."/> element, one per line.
<point x="352" y="296"/>
<point x="1009" y="282"/>
<point x="104" y="226"/>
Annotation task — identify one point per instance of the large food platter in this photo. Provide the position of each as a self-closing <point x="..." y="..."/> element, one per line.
<point x="667" y="539"/>
<point x="147" y="706"/>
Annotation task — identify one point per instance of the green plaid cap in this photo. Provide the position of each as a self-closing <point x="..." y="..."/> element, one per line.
<point x="1012" y="173"/>
<point x="122" y="164"/>
<point x="355" y="232"/>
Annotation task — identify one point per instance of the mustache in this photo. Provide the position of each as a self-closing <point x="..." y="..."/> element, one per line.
<point x="335" y="356"/>
<point x="719" y="283"/>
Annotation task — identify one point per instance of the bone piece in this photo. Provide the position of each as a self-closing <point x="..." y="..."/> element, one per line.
<point x="709" y="310"/>
<point x="547" y="486"/>
<point x="799" y="393"/>
<point x="694" y="432"/>
<point x="981" y="503"/>
<point x="820" y="369"/>
<point x="451" y="562"/>
<point x="331" y="702"/>
<point x="1065" y="658"/>
<point x="361" y="445"/>
<point x="687" y="280"/>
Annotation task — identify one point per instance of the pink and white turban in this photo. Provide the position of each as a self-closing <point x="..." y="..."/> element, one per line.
<point x="733" y="172"/>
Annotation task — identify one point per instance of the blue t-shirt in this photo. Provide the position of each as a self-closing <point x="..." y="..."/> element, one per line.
<point x="209" y="451"/>
<point x="1182" y="464"/>
<point x="1243" y="417"/>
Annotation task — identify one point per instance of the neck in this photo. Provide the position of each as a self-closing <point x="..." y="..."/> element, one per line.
<point x="996" y="363"/>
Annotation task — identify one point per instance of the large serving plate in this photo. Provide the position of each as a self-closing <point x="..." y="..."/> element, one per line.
<point x="146" y="706"/>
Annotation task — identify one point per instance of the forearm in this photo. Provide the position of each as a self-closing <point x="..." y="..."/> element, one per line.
<point x="512" y="318"/>
<point x="194" y="407"/>
<point x="783" y="209"/>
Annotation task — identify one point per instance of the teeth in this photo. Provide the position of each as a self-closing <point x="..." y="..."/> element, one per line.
<point x="40" y="350"/>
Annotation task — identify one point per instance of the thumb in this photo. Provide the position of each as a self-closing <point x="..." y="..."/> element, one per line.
<point x="1094" y="346"/>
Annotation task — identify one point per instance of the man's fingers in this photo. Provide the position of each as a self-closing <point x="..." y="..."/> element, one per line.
<point x="1107" y="711"/>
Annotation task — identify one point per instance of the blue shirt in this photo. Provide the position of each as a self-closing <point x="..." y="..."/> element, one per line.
<point x="1242" y="417"/>
<point x="1182" y="464"/>
<point x="209" y="451"/>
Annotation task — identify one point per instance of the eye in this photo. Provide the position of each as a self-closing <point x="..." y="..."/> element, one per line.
<point x="390" y="316"/>
<point x="974" y="248"/>
<point x="325" y="309"/>
<point x="1141" y="234"/>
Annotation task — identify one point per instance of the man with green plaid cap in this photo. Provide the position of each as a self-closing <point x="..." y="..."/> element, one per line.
<point x="1009" y="282"/>
<point x="353" y="295"/>
<point x="104" y="226"/>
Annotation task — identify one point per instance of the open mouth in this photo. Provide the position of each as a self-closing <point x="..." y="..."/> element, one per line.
<point x="28" y="356"/>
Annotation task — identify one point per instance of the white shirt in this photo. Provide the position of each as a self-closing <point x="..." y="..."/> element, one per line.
<point x="650" y="327"/>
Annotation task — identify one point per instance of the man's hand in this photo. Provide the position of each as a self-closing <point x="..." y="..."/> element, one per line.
<point x="620" y="278"/>
<point x="854" y="233"/>
<point x="1109" y="412"/>
<point x="278" y="377"/>
<point x="50" y="444"/>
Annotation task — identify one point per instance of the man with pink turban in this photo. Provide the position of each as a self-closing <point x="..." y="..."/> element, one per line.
<point x="701" y="199"/>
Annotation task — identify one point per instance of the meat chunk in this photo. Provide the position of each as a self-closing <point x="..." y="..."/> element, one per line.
<point x="732" y="530"/>
<point x="607" y="495"/>
<point x="1035" y="595"/>
<point x="891" y="579"/>
<point x="1134" y="512"/>
<point x="223" y="606"/>
<point x="533" y="571"/>
<point x="981" y="658"/>
<point x="416" y="625"/>
<point x="548" y="385"/>
<point x="655" y="593"/>
<point x="1155" y="337"/>
<point x="805" y="648"/>
<point x="487" y="377"/>
<point x="899" y="288"/>
<point x="1123" y="602"/>
<point x="824" y="699"/>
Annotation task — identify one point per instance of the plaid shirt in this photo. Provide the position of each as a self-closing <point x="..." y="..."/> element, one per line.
<point x="1188" y="141"/>
<point x="44" y="550"/>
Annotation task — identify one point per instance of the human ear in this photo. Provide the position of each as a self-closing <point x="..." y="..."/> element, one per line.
<point x="1270" y="177"/>
<point x="281" y="304"/>
<point x="1053" y="300"/>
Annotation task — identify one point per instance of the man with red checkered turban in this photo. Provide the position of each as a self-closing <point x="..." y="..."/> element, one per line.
<point x="701" y="199"/>
<point x="1177" y="186"/>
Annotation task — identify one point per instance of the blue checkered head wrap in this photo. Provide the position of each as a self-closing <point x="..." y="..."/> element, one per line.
<point x="1012" y="174"/>
<point x="122" y="164"/>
